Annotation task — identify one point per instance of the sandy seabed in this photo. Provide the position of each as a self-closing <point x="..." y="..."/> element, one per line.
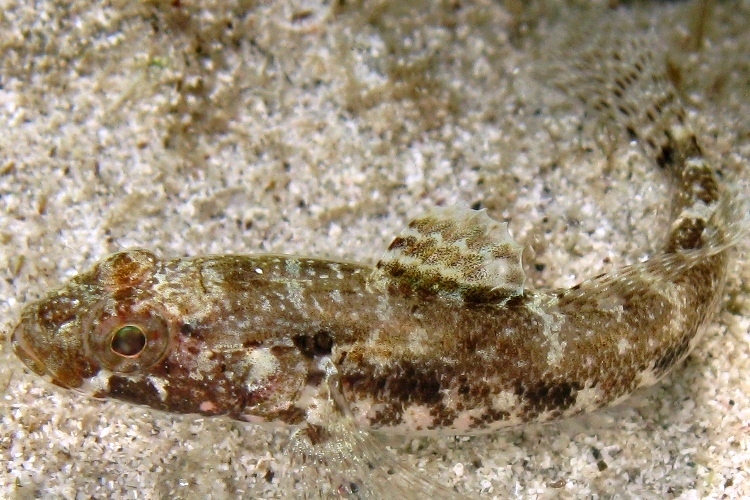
<point x="296" y="127"/>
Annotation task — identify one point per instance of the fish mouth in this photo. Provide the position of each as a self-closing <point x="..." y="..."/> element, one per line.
<point x="20" y="345"/>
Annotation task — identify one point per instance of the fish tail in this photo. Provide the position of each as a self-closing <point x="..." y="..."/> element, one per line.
<point x="624" y="81"/>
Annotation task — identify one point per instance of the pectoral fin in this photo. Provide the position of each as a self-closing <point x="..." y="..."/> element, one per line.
<point x="330" y="457"/>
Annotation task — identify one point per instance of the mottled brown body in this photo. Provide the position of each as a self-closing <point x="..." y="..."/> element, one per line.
<point x="406" y="364"/>
<point x="489" y="367"/>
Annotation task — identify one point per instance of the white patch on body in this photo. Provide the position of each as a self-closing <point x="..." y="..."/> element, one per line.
<point x="336" y="268"/>
<point x="265" y="304"/>
<point x="623" y="346"/>
<point x="647" y="378"/>
<point x="318" y="405"/>
<point x="208" y="407"/>
<point x="587" y="399"/>
<point x="263" y="364"/>
<point x="292" y="268"/>
<point x="203" y="364"/>
<point x="552" y="323"/>
<point x="97" y="384"/>
<point x="417" y="417"/>
<point x="674" y="302"/>
<point x="336" y="297"/>
<point x="505" y="401"/>
<point x="160" y="385"/>
<point x="294" y="295"/>
<point x="364" y="410"/>
<point x="384" y="309"/>
<point x="465" y="422"/>
<point x="418" y="341"/>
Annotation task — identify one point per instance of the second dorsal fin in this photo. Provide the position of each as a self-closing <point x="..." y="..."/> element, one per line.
<point x="453" y="252"/>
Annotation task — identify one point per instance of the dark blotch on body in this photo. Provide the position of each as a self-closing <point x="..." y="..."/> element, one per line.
<point x="293" y="415"/>
<point x="553" y="396"/>
<point x="665" y="157"/>
<point x="671" y="356"/>
<point x="142" y="391"/>
<point x="687" y="236"/>
<point x="188" y="330"/>
<point x="443" y="416"/>
<point x="388" y="416"/>
<point x="415" y="385"/>
<point x="407" y="383"/>
<point x="315" y="378"/>
<point x="316" y="434"/>
<point x="318" y="344"/>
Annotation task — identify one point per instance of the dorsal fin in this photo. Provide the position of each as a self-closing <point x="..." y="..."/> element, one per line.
<point x="453" y="252"/>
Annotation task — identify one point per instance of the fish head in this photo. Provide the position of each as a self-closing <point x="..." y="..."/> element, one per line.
<point x="170" y="335"/>
<point x="100" y="320"/>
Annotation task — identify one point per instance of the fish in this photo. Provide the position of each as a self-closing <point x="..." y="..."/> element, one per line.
<point x="441" y="337"/>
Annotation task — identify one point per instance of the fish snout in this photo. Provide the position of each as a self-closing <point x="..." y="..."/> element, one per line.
<point x="20" y="344"/>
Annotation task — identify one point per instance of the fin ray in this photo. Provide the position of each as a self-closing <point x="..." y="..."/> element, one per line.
<point x="453" y="252"/>
<point x="333" y="458"/>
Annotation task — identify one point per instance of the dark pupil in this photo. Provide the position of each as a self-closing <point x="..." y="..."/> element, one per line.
<point x="128" y="341"/>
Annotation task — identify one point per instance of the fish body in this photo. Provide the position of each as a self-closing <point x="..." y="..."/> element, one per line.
<point x="245" y="336"/>
<point x="440" y="337"/>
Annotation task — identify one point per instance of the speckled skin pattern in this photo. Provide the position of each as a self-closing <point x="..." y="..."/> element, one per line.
<point x="441" y="336"/>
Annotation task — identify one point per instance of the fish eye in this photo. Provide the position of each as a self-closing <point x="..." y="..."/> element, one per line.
<point x="127" y="334"/>
<point x="128" y="341"/>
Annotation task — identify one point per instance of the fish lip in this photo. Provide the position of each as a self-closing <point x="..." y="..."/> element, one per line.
<point x="20" y="346"/>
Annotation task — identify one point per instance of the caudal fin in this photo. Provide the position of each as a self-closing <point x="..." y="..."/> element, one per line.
<point x="623" y="81"/>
